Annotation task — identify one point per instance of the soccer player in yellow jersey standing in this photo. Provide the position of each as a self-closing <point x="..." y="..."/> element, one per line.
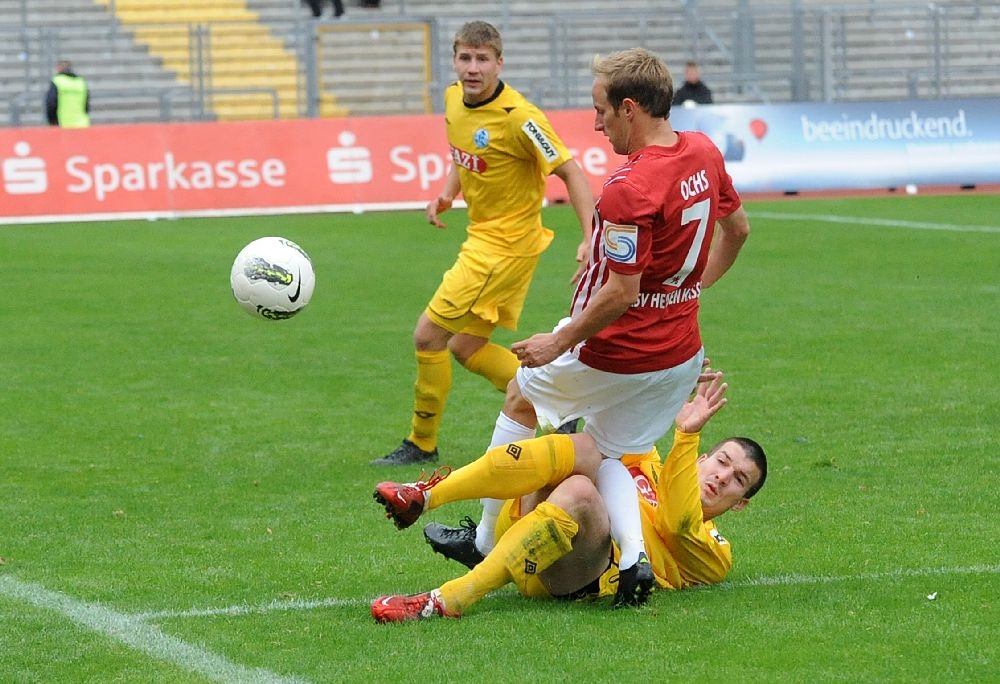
<point x="502" y="148"/>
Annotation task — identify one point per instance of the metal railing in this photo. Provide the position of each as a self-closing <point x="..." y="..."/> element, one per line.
<point x="164" y="100"/>
<point x="750" y="52"/>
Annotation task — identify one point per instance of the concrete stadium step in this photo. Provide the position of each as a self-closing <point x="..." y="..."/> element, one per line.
<point x="244" y="53"/>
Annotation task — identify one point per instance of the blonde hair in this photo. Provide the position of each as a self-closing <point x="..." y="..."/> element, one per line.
<point x="637" y="74"/>
<point x="478" y="34"/>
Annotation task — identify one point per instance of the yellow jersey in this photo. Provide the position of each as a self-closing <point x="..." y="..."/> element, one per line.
<point x="683" y="549"/>
<point x="503" y="149"/>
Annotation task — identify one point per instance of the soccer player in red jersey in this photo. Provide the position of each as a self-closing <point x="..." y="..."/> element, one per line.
<point x="668" y="223"/>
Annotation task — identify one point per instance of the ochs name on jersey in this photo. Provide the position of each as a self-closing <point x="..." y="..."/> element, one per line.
<point x="467" y="160"/>
<point x="541" y="142"/>
<point x="695" y="184"/>
<point x="661" y="300"/>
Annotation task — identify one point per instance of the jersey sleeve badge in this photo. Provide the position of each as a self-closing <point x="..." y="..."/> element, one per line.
<point x="717" y="536"/>
<point x="540" y="140"/>
<point x="621" y="243"/>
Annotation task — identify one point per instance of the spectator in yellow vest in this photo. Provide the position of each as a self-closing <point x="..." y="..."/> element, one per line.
<point x="67" y="103"/>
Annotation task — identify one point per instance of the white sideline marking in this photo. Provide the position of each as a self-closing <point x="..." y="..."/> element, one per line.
<point x="780" y="580"/>
<point x="138" y="635"/>
<point x="798" y="580"/>
<point x="867" y="221"/>
<point x="273" y="606"/>
<point x="214" y="213"/>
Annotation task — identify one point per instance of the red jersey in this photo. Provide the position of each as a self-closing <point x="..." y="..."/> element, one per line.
<point x="656" y="216"/>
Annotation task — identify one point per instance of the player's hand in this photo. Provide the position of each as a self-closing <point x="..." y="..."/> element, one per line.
<point x="582" y="260"/>
<point x="706" y="371"/>
<point x="435" y="207"/>
<point x="708" y="398"/>
<point x="537" y="350"/>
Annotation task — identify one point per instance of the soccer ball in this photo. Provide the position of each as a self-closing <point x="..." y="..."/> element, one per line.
<point x="272" y="278"/>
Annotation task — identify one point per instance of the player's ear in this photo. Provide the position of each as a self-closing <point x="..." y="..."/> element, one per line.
<point x="631" y="106"/>
<point x="740" y="505"/>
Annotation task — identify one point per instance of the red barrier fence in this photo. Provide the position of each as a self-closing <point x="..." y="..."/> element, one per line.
<point x="308" y="164"/>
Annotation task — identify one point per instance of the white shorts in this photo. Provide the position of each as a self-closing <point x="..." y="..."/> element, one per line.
<point x="625" y="414"/>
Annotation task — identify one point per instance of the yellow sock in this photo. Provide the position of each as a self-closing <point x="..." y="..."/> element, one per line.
<point x="431" y="393"/>
<point x="495" y="363"/>
<point x="531" y="545"/>
<point x="509" y="471"/>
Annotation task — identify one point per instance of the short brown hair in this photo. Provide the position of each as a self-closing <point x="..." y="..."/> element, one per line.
<point x="478" y="34"/>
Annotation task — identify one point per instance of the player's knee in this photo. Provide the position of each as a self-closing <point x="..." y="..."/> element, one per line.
<point x="428" y="336"/>
<point x="464" y="347"/>
<point x="516" y="406"/>
<point x="577" y="495"/>
<point x="458" y="352"/>
<point x="586" y="454"/>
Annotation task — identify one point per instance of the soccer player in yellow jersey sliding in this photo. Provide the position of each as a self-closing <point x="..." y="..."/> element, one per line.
<point x="555" y="542"/>
<point x="502" y="148"/>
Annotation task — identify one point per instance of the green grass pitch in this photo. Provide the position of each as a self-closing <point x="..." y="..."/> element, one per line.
<point x="186" y="496"/>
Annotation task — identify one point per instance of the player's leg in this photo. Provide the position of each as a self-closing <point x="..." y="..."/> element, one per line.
<point x="531" y="545"/>
<point x="556" y="548"/>
<point x="516" y="422"/>
<point x="504" y="472"/>
<point x="469" y="542"/>
<point x="503" y="284"/>
<point x="646" y="410"/>
<point x="447" y="314"/>
<point x="625" y="414"/>
<point x="498" y="365"/>
<point x="591" y="551"/>
<point x="484" y="358"/>
<point x="617" y="490"/>
<point x="433" y="381"/>
<point x="431" y="390"/>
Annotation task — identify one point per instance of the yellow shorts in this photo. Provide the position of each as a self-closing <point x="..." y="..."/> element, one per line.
<point x="605" y="585"/>
<point x="481" y="291"/>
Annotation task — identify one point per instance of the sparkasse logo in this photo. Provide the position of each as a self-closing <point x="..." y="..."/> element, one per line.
<point x="105" y="178"/>
<point x="24" y="174"/>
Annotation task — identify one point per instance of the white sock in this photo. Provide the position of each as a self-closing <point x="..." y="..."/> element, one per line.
<point x="488" y="524"/>
<point x="617" y="488"/>
<point x="505" y="431"/>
